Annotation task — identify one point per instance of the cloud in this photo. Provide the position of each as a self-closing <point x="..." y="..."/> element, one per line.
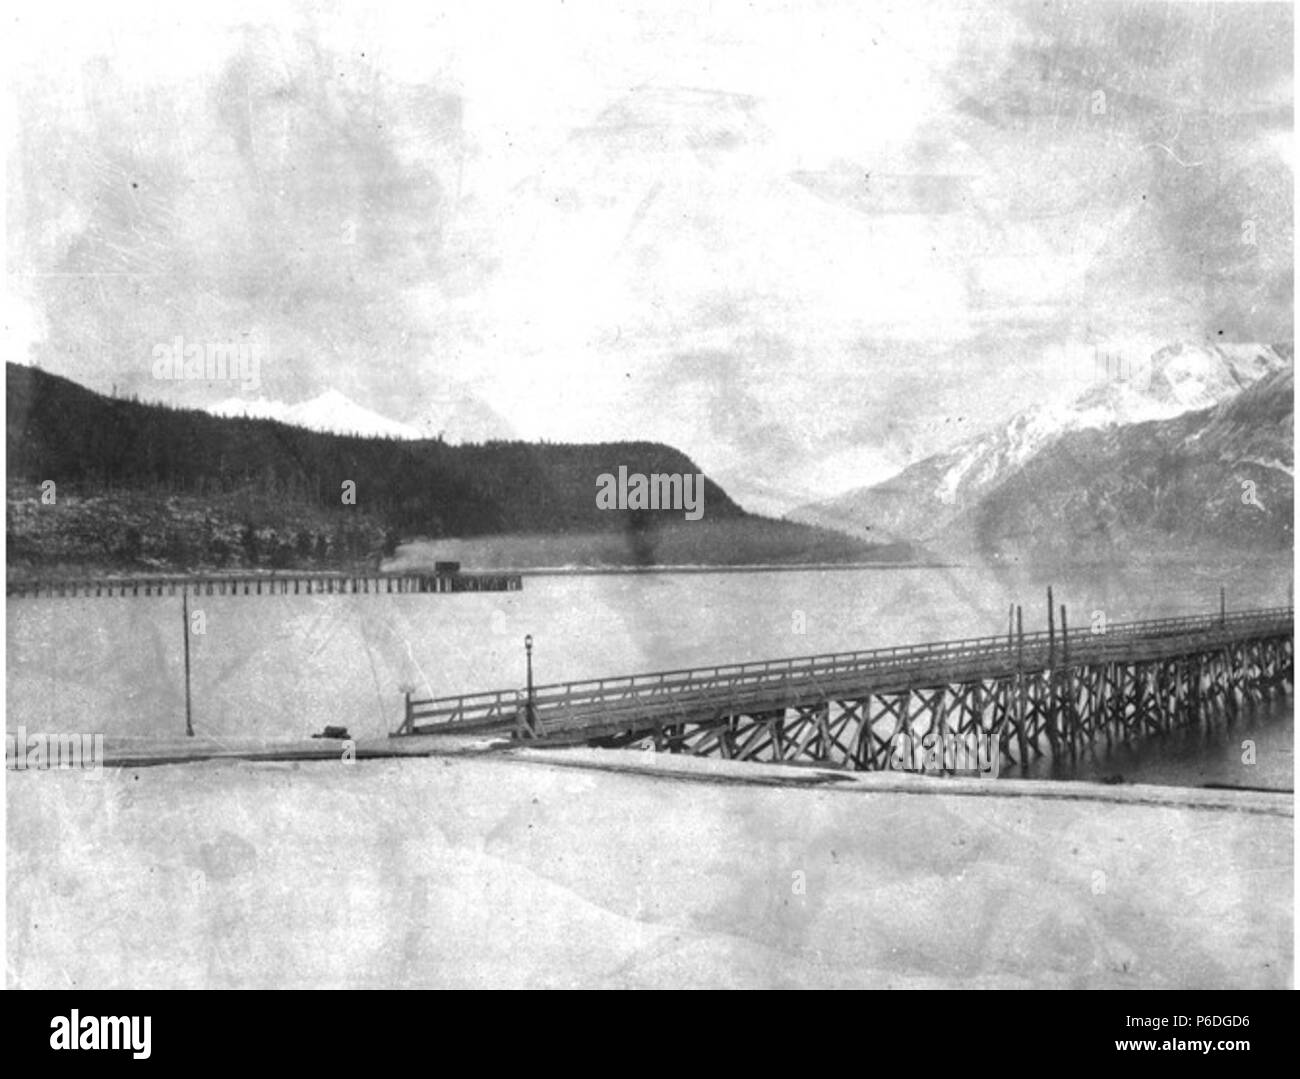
<point x="287" y="194"/>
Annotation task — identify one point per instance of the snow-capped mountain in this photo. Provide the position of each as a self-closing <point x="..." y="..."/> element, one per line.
<point x="1216" y="480"/>
<point x="331" y="412"/>
<point x="922" y="500"/>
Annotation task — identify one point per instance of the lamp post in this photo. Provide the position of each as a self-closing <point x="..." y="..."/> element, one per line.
<point x="531" y="710"/>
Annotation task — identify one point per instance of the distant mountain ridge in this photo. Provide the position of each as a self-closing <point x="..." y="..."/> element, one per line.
<point x="923" y="502"/>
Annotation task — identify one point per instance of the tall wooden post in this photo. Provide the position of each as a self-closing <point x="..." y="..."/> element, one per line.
<point x="1051" y="630"/>
<point x="1071" y="713"/>
<point x="1053" y="709"/>
<point x="1021" y="741"/>
<point x="1223" y="607"/>
<point x="1002" y="692"/>
<point x="185" y="632"/>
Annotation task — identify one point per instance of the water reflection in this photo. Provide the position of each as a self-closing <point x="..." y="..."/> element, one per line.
<point x="1256" y="752"/>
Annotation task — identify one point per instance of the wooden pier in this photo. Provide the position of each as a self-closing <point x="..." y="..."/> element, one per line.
<point x="1028" y="695"/>
<point x="268" y="584"/>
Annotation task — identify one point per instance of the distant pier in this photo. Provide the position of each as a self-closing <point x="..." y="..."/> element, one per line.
<point x="268" y="584"/>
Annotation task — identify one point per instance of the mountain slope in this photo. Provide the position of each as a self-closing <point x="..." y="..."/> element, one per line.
<point x="1221" y="479"/>
<point x="922" y="502"/>
<point x="58" y="430"/>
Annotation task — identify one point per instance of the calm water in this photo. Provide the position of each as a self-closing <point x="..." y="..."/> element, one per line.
<point x="285" y="666"/>
<point x="1256" y="751"/>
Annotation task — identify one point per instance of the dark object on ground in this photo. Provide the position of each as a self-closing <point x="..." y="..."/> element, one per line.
<point x="446" y="567"/>
<point x="333" y="732"/>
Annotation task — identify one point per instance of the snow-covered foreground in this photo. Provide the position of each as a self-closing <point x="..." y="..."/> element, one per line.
<point x="599" y="868"/>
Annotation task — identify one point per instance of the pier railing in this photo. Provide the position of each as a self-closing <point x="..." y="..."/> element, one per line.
<point x="784" y="678"/>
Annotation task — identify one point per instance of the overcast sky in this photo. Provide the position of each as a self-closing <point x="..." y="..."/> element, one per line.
<point x="805" y="243"/>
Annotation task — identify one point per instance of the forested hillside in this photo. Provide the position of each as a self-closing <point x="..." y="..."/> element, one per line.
<point x="145" y="484"/>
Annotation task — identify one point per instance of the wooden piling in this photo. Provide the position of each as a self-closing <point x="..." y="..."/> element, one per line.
<point x="1070" y="710"/>
<point x="1022" y="742"/>
<point x="1051" y="630"/>
<point x="1052" y="720"/>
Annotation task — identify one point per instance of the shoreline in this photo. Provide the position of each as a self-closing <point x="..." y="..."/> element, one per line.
<point x="762" y="567"/>
<point x="389" y="569"/>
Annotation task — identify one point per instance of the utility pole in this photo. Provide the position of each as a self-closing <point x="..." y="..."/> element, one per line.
<point x="185" y="632"/>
